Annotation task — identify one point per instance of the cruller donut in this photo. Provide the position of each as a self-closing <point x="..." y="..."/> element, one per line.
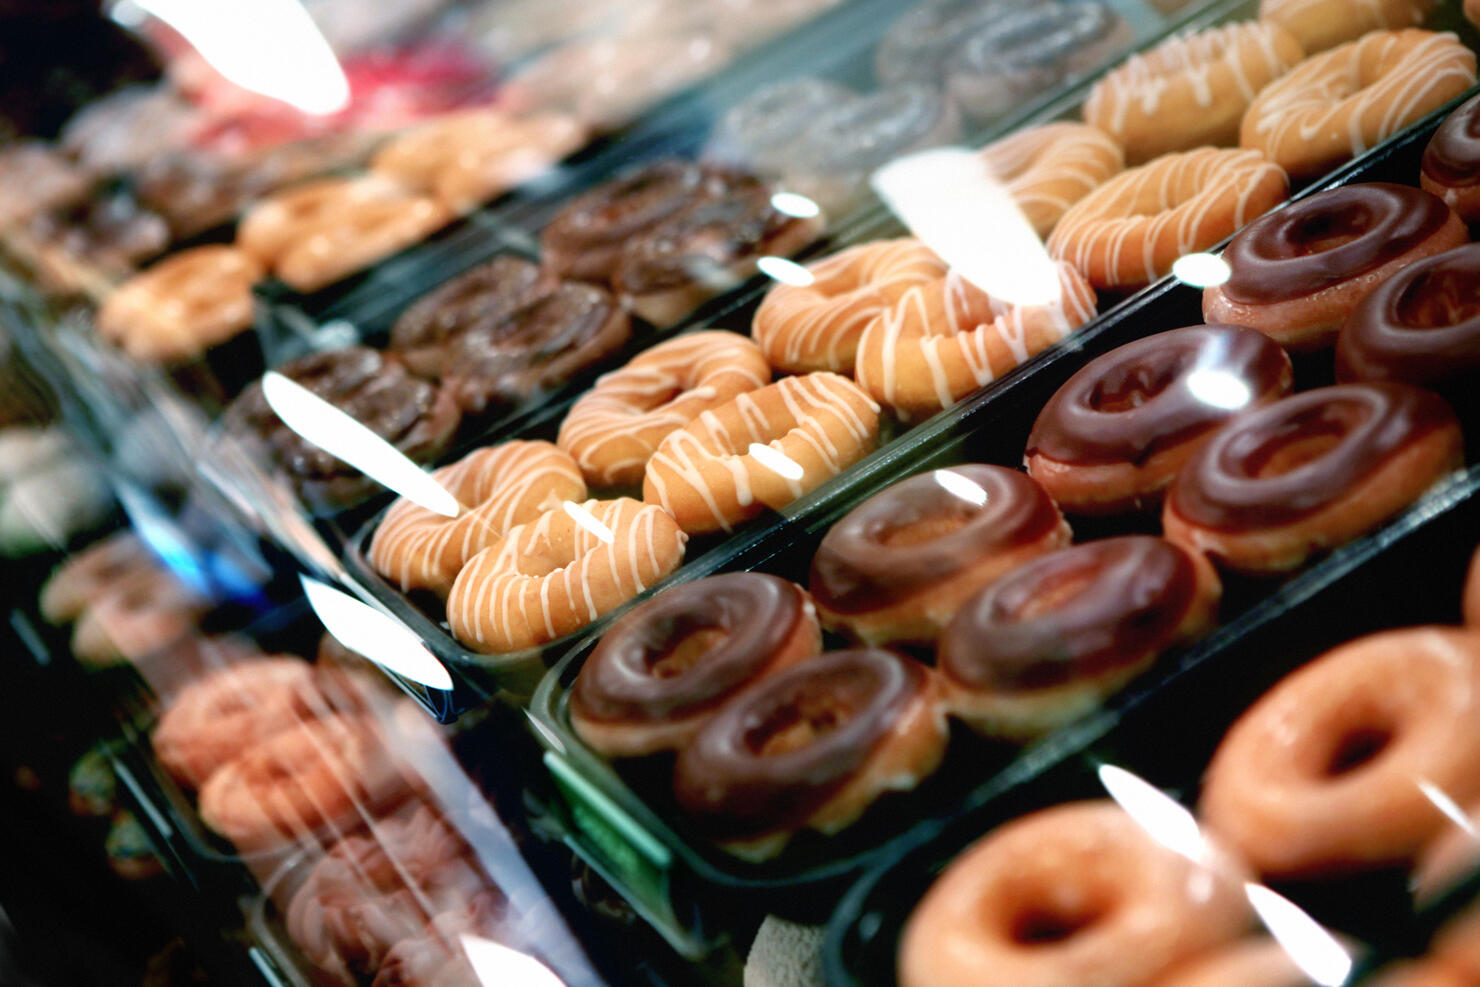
<point x="1451" y="162"/>
<point x="182" y="305"/>
<point x="1047" y="169"/>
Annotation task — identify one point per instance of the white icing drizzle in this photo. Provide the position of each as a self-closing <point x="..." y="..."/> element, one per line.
<point x="1049" y="168"/>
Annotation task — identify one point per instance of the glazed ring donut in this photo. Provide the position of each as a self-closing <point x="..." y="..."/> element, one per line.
<point x="1310" y="472"/>
<point x="1257" y="961"/>
<point x="708" y="476"/>
<point x="898" y="566"/>
<point x="816" y="326"/>
<point x="1049" y="641"/>
<point x="92" y="573"/>
<point x="1320" y="24"/>
<point x="182" y="305"/>
<point x="944" y="339"/>
<point x="1450" y="167"/>
<point x="1337" y="104"/>
<point x="151" y="609"/>
<point x="1297" y="273"/>
<point x="552" y="576"/>
<point x="1075" y="894"/>
<point x="497" y="488"/>
<point x="1113" y="437"/>
<point x="1129" y="231"/>
<point x="1422" y="325"/>
<point x="1047" y="169"/>
<point x="1317" y="777"/>
<point x="664" y="668"/>
<point x="1190" y="90"/>
<point x="810" y="747"/>
<point x="613" y="429"/>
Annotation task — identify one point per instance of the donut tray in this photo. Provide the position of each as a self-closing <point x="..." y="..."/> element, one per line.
<point x="1409" y="574"/>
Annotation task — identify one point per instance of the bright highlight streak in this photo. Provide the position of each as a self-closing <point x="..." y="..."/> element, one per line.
<point x="785" y="271"/>
<point x="589" y="521"/>
<point x="1219" y="389"/>
<point x="362" y="628"/>
<point x="1448" y="806"/>
<point x="497" y="965"/>
<point x="795" y="204"/>
<point x="1163" y="818"/>
<point x="776" y="461"/>
<point x="1313" y="949"/>
<point x="967" y="489"/>
<point x="324" y="425"/>
<point x="268" y="46"/>
<point x="1201" y="270"/>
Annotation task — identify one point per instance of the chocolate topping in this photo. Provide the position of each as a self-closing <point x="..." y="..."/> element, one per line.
<point x="1158" y="392"/>
<point x="750" y="616"/>
<point x="1302" y="454"/>
<point x="1076" y="613"/>
<point x="1327" y="239"/>
<point x="872" y="558"/>
<point x="773" y="754"/>
<point x="1420" y="325"/>
<point x="1453" y="154"/>
<point x="484" y="295"/>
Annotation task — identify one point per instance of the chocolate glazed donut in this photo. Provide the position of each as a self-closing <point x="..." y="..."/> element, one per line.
<point x="1297" y="273"/>
<point x="1310" y="472"/>
<point x="1049" y="641"/>
<point x="1113" y="437"/>
<point x="665" y="667"/>
<point x="812" y="746"/>
<point x="897" y="567"/>
<point x="1422" y="325"/>
<point x="1451" y="162"/>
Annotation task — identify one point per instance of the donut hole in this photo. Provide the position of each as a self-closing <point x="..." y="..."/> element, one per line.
<point x="1325" y="231"/>
<point x="1050" y="923"/>
<point x="1132" y="388"/>
<point x="1439" y="300"/>
<point x="1055" y="593"/>
<point x="1356" y="748"/>
<point x="647" y="401"/>
<point x="919" y="530"/>
<point x="797" y="726"/>
<point x="1296" y="446"/>
<point x="682" y="654"/>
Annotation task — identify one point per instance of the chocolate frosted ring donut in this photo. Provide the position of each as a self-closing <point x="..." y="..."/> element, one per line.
<point x="1297" y="273"/>
<point x="1113" y="437"/>
<point x="663" y="669"/>
<point x="760" y="130"/>
<point x="1422" y="325"/>
<point x="811" y="747"/>
<point x="1310" y="472"/>
<point x="1451" y="162"/>
<point x="900" y="564"/>
<point x="1050" y="640"/>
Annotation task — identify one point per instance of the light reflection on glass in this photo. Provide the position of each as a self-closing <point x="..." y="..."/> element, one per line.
<point x="1201" y="270"/>
<point x="795" y="204"/>
<point x="1219" y="389"/>
<point x="589" y="521"/>
<point x="1313" y="949"/>
<point x="965" y="488"/>
<point x="1163" y="818"/>
<point x="497" y="965"/>
<point x="1448" y="806"/>
<point x="785" y="271"/>
<point x="777" y="461"/>
<point x="363" y="629"/>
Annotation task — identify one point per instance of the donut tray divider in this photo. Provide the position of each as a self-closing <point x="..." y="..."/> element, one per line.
<point x="1409" y="573"/>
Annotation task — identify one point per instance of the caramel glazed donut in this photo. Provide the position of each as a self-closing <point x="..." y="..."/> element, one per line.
<point x="1450" y="167"/>
<point x="182" y="305"/>
<point x="664" y="668"/>
<point x="1076" y="894"/>
<point x="899" y="565"/>
<point x="1310" y="472"/>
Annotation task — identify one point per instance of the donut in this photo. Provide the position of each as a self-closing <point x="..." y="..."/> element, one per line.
<point x="810" y="747"/>
<point x="1051" y="639"/>
<point x="1450" y="167"/>
<point x="1419" y="973"/>
<point x="1450" y="856"/>
<point x="759" y="132"/>
<point x="898" y="566"/>
<point x="614" y="428"/>
<point x="1310" y="472"/>
<point x="945" y="338"/>
<point x="1457" y="945"/>
<point x="182" y="305"/>
<point x="35" y="178"/>
<point x="1074" y="894"/>
<point x="1130" y="230"/>
<point x="1337" y="104"/>
<point x="1257" y="961"/>
<point x="552" y="576"/>
<point x="129" y="850"/>
<point x="809" y="428"/>
<point x="663" y="669"/>
<point x="919" y="46"/>
<point x="92" y="573"/>
<point x="1317" y="777"/>
<point x="1421" y="325"/>
<point x="1048" y="168"/>
<point x="83" y="247"/>
<point x="1190" y="90"/>
<point x="92" y="787"/>
<point x="1111" y="439"/>
<point x="1319" y="24"/>
<point x="1471" y="605"/>
<point x="437" y="957"/>
<point x="1297" y="273"/>
<point x="151" y="609"/>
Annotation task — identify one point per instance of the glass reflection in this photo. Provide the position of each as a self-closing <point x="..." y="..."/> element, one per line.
<point x="1313" y="949"/>
<point x="1201" y="270"/>
<point x="362" y="628"/>
<point x="795" y="204"/>
<point x="499" y="966"/>
<point x="1219" y="388"/>
<point x="785" y="271"/>
<point x="1163" y="818"/>
<point x="1448" y="806"/>
<point x="964" y="487"/>
<point x="589" y="521"/>
<point x="776" y="461"/>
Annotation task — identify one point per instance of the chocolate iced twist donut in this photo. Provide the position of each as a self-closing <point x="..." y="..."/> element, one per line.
<point x="1310" y="472"/>
<point x="1049" y="641"/>
<point x="1113" y="437"/>
<point x="1422" y="325"/>
<point x="662" y="670"/>
<point x="899" y="565"/>
<point x="1451" y="162"/>
<point x="811" y="747"/>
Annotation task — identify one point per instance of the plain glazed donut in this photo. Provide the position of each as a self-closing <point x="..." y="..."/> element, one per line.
<point x="554" y="575"/>
<point x="1318" y="776"/>
<point x="1113" y="437"/>
<point x="182" y="305"/>
<point x="496" y="488"/>
<point x="1322" y="24"/>
<point x="1450" y="167"/>
<point x="1337" y="104"/>
<point x="1471" y="605"/>
<point x="1075" y="894"/>
<point x="1258" y="961"/>
<point x="1449" y="857"/>
<point x="1129" y="231"/>
<point x="1310" y="472"/>
<point x="708" y="474"/>
<point x="898" y="566"/>
<point x="1422" y="325"/>
<point x="810" y="747"/>
<point x="816" y="326"/>
<point x="1189" y="90"/>
<point x="1050" y="640"/>
<point x="946" y="338"/>
<point x="1047" y="169"/>
<point x="664" y="668"/>
<point x="92" y="573"/>
<point x="1297" y="273"/>
<point x="613" y="429"/>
